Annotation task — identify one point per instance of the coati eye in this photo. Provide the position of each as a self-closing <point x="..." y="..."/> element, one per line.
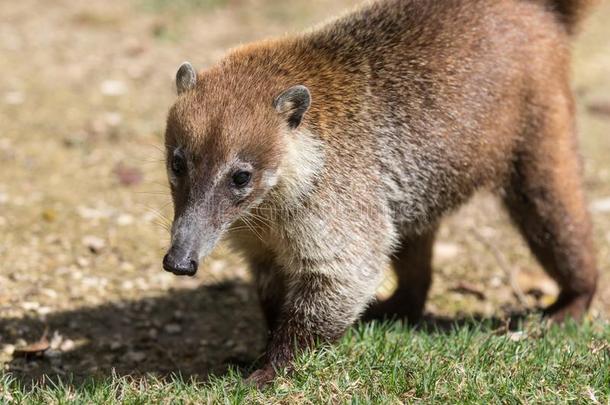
<point x="242" y="178"/>
<point x="178" y="164"/>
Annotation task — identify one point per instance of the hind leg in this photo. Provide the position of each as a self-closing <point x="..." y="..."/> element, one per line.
<point x="412" y="264"/>
<point x="546" y="201"/>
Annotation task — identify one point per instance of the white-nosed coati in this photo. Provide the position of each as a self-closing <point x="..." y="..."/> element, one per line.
<point x="325" y="156"/>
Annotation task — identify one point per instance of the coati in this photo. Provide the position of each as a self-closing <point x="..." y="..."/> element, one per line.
<point x="328" y="155"/>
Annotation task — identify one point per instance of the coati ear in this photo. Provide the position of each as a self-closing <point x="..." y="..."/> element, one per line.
<point x="293" y="104"/>
<point x="186" y="78"/>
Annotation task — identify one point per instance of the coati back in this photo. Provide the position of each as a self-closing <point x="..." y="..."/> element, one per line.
<point x="328" y="155"/>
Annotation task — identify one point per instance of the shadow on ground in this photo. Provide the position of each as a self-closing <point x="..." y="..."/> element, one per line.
<point x="193" y="333"/>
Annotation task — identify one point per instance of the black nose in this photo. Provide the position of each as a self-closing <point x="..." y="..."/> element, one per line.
<point x="180" y="264"/>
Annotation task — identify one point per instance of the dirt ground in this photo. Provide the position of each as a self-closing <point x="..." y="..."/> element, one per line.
<point x="84" y="204"/>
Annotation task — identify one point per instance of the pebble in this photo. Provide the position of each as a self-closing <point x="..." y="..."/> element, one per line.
<point x="94" y="243"/>
<point x="94" y="282"/>
<point x="115" y="345"/>
<point x="153" y="333"/>
<point x="136" y="357"/>
<point x="30" y="305"/>
<point x="113" y="88"/>
<point x="93" y="213"/>
<point x="496" y="281"/>
<point x="173" y="328"/>
<point x="43" y="311"/>
<point x="49" y="292"/>
<point x="124" y="220"/>
<point x="8" y="349"/>
<point x="67" y="345"/>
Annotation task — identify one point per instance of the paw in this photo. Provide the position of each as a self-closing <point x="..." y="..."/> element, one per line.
<point x="261" y="377"/>
<point x="570" y="307"/>
<point x="395" y="308"/>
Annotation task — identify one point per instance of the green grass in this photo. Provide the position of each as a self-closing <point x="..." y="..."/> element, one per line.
<point x="390" y="363"/>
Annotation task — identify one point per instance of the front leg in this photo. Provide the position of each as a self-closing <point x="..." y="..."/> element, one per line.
<point x="319" y="306"/>
<point x="270" y="287"/>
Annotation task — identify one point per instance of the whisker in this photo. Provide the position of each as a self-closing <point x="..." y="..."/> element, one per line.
<point x="258" y="235"/>
<point x="159" y="214"/>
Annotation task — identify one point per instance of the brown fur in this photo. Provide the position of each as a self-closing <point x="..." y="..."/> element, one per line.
<point x="415" y="105"/>
<point x="572" y="12"/>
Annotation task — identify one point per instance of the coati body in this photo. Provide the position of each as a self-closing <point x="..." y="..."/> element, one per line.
<point x="326" y="156"/>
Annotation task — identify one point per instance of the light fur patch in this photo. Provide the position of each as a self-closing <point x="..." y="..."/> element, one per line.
<point x="302" y="162"/>
<point x="270" y="178"/>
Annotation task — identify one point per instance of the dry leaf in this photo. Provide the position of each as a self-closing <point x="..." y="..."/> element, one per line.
<point x="35" y="349"/>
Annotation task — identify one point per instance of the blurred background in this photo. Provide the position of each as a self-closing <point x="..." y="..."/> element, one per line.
<point x="84" y="204"/>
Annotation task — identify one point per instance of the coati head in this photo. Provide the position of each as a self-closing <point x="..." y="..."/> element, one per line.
<point x="225" y="142"/>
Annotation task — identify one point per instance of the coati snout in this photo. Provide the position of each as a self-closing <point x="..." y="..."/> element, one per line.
<point x="217" y="164"/>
